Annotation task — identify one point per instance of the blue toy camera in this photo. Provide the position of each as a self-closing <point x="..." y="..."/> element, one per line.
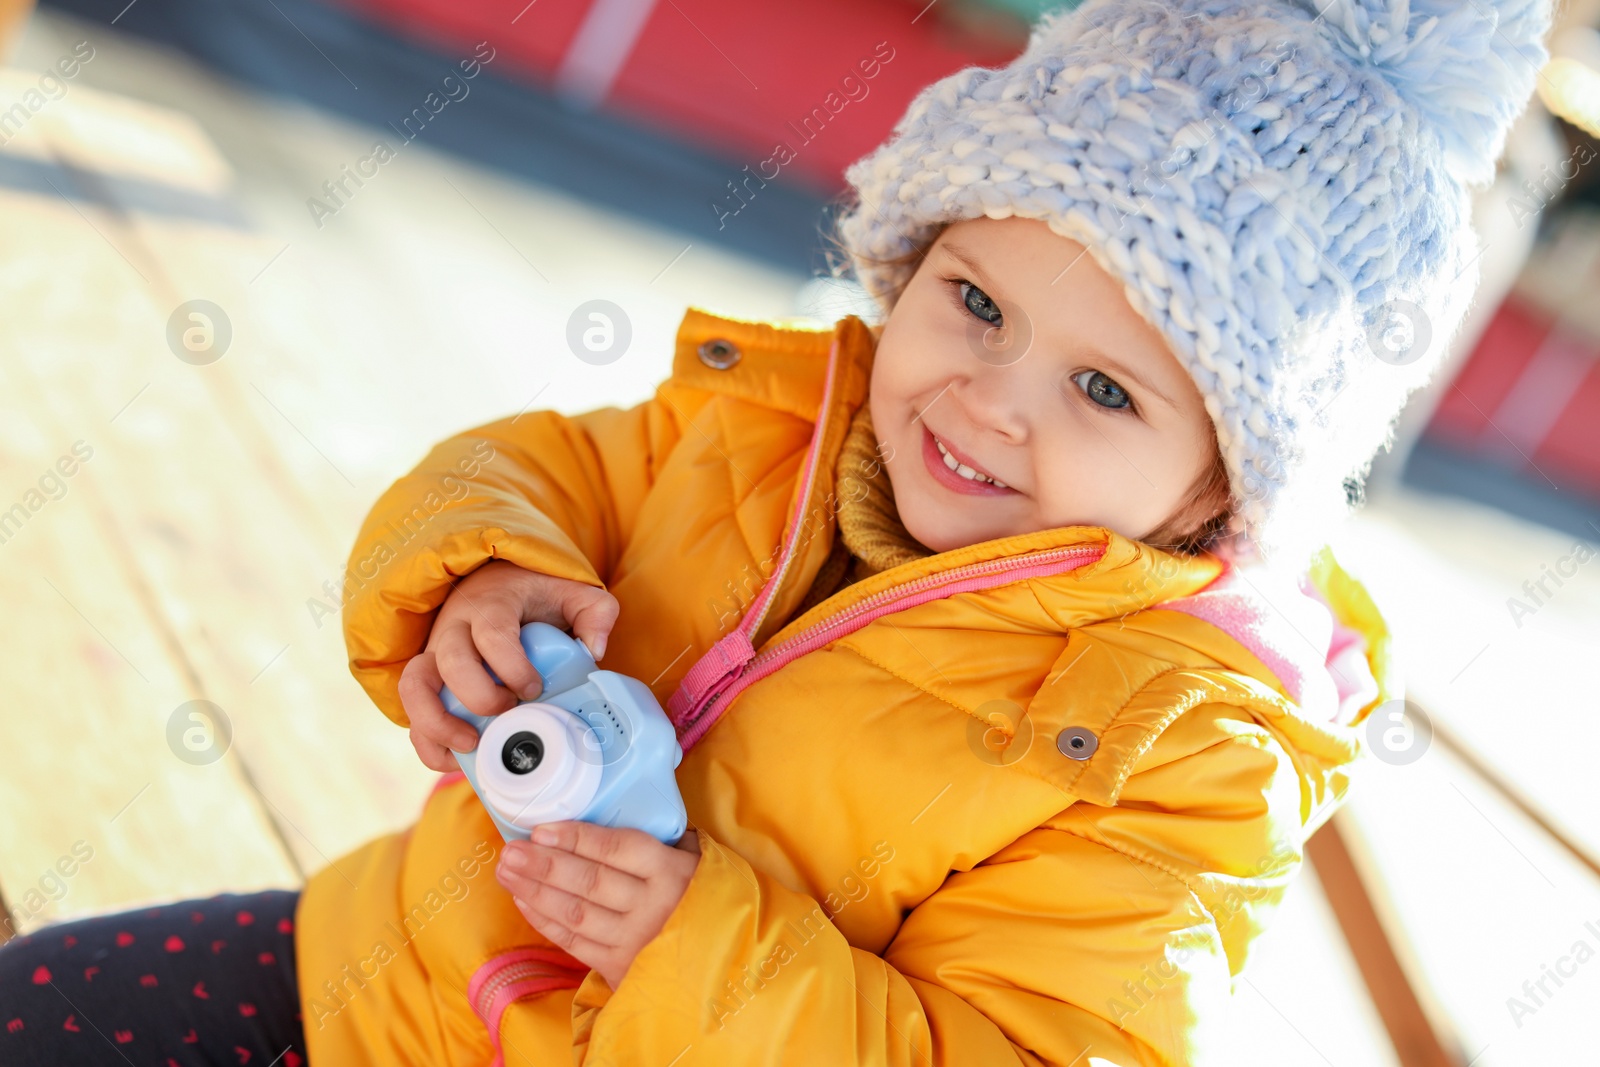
<point x="595" y="745"/>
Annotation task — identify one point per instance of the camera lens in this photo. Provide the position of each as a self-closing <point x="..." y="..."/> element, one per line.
<point x="522" y="752"/>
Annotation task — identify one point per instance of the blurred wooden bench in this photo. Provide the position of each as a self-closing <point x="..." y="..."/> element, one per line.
<point x="161" y="531"/>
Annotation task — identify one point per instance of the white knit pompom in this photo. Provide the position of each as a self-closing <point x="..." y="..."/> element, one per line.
<point x="1466" y="67"/>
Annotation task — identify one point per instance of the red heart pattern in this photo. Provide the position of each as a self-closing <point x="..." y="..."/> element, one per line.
<point x="43" y="975"/>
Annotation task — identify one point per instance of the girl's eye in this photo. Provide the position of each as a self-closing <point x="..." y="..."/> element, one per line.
<point x="978" y="302"/>
<point x="1103" y="390"/>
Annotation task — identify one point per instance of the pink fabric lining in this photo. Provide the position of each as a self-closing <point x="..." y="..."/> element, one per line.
<point x="1320" y="662"/>
<point x="447" y="779"/>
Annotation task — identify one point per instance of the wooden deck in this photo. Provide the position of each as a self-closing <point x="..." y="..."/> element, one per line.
<point x="176" y="562"/>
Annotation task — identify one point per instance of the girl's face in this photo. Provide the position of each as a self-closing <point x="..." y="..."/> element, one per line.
<point x="1012" y="349"/>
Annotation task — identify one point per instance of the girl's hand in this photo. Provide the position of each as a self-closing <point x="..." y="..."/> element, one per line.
<point x="598" y="893"/>
<point x="481" y="622"/>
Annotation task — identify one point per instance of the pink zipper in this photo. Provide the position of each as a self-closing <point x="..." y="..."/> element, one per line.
<point x="715" y="697"/>
<point x="447" y="779"/>
<point x="731" y="652"/>
<point x="513" y="975"/>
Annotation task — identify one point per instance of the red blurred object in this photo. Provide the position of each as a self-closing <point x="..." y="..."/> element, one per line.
<point x="739" y="78"/>
<point x="1528" y="397"/>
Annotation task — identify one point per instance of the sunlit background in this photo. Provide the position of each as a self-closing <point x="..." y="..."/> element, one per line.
<point x="174" y="526"/>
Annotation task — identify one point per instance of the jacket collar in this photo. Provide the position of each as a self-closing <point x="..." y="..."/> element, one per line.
<point x="781" y="364"/>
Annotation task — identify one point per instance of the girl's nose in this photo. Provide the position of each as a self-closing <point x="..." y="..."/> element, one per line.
<point x="992" y="400"/>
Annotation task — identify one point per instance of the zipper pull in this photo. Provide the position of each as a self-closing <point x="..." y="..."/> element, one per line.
<point x="721" y="664"/>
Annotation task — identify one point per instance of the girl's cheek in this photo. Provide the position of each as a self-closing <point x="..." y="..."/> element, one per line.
<point x="1122" y="483"/>
<point x="1060" y="487"/>
<point x="906" y="379"/>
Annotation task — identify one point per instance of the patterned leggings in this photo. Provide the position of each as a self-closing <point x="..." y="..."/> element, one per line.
<point x="197" y="983"/>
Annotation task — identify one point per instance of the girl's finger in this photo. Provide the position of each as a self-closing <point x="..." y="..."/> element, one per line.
<point x="419" y="694"/>
<point x="591" y="613"/>
<point x="606" y="886"/>
<point x="632" y="851"/>
<point x="433" y="755"/>
<point x="497" y="635"/>
<point x="597" y="956"/>
<point x="464" y="672"/>
<point x="583" y="918"/>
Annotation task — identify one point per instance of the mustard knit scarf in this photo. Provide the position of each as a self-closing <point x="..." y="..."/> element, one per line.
<point x="870" y="536"/>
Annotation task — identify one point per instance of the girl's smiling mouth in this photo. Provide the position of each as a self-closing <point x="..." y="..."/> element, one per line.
<point x="944" y="470"/>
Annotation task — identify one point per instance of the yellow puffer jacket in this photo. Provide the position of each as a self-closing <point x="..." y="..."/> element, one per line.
<point x="1027" y="801"/>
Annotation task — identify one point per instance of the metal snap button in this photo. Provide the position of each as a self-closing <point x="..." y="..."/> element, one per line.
<point x="1077" y="743"/>
<point x="719" y="353"/>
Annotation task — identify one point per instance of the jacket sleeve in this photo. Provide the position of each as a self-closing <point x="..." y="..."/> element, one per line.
<point x="1108" y="935"/>
<point x="553" y="493"/>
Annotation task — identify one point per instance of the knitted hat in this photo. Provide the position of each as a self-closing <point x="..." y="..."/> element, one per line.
<point x="1283" y="193"/>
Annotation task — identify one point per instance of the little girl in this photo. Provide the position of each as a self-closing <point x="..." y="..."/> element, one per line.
<point x="1009" y="668"/>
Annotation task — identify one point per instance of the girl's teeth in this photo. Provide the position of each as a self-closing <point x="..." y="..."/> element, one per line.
<point x="964" y="470"/>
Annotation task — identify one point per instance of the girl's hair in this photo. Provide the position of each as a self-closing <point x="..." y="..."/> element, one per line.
<point x="1204" y="510"/>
